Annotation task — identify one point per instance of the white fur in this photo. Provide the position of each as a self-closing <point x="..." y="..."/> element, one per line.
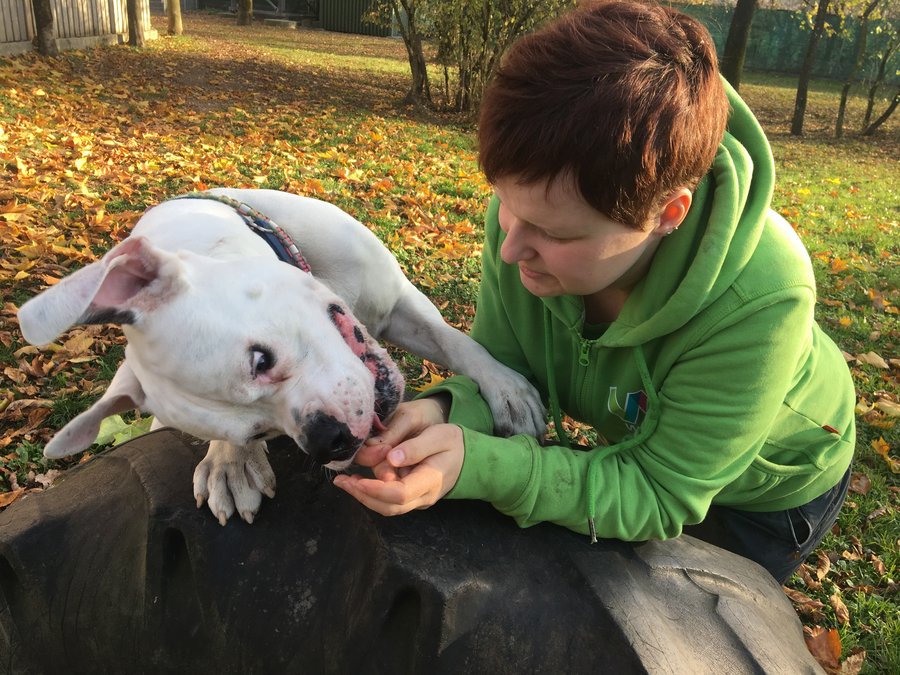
<point x="198" y="289"/>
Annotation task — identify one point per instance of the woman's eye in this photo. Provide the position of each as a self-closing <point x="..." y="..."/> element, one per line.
<point x="549" y="237"/>
<point x="261" y="360"/>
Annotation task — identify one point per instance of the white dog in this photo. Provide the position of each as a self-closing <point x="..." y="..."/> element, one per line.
<point x="231" y="345"/>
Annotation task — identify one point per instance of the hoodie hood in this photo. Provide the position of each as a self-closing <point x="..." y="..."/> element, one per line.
<point x="695" y="266"/>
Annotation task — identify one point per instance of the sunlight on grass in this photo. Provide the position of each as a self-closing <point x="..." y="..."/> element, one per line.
<point x="321" y="114"/>
<point x="320" y="60"/>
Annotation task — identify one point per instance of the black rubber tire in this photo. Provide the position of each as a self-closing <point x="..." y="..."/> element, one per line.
<point x="114" y="570"/>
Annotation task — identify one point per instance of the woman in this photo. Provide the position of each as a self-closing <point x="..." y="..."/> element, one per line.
<point x="634" y="271"/>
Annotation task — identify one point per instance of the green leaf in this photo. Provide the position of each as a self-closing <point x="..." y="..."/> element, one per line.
<point x="115" y="430"/>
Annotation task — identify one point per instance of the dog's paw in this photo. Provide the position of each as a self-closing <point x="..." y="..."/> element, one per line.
<point x="514" y="402"/>
<point x="232" y="478"/>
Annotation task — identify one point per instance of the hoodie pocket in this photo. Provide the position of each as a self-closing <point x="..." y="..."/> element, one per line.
<point x="797" y="450"/>
<point x="798" y="445"/>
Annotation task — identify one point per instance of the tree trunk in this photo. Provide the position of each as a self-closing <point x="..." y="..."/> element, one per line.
<point x="136" y="37"/>
<point x="736" y="44"/>
<point x="245" y="12"/>
<point x="861" y="35"/>
<point x="173" y="9"/>
<point x="806" y="69"/>
<point x="46" y="28"/>
<point x="883" y="117"/>
<point x="879" y="79"/>
<point x="420" y="90"/>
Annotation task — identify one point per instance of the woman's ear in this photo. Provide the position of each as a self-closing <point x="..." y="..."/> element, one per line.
<point x="673" y="211"/>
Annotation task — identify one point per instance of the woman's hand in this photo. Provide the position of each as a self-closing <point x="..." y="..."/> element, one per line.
<point x="412" y="418"/>
<point x="413" y="475"/>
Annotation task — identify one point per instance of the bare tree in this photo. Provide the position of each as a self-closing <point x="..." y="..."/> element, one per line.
<point x="736" y="43"/>
<point x="46" y="28"/>
<point x="861" y="36"/>
<point x="870" y="129"/>
<point x="806" y="68"/>
<point x="878" y="80"/>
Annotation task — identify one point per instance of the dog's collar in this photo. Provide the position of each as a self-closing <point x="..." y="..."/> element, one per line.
<point x="279" y="240"/>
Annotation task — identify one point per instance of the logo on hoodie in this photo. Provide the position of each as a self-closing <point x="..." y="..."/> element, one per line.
<point x="635" y="407"/>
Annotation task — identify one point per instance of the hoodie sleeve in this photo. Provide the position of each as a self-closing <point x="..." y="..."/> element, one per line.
<point x="492" y="330"/>
<point x="696" y="441"/>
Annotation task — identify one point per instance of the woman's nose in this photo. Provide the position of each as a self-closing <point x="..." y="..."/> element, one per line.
<point x="515" y="247"/>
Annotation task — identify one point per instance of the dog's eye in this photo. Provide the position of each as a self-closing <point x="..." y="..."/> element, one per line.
<point x="261" y="360"/>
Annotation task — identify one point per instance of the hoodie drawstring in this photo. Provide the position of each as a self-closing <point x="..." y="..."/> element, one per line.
<point x="648" y="426"/>
<point x="555" y="411"/>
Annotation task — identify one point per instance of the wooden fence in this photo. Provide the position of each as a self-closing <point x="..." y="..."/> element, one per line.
<point x="79" y="23"/>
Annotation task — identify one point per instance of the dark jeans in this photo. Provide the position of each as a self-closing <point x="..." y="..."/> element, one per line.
<point x="778" y="540"/>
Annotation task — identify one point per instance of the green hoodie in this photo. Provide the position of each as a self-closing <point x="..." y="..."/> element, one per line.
<point x="714" y="384"/>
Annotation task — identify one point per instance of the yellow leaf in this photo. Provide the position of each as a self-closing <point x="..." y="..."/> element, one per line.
<point x="22" y="167"/>
<point x="881" y="447"/>
<point x="845" y="321"/>
<point x="78" y="343"/>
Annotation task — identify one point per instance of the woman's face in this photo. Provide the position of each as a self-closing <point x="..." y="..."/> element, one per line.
<point x="563" y="246"/>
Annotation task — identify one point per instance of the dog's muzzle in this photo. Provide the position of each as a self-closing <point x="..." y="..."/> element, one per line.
<point x="388" y="378"/>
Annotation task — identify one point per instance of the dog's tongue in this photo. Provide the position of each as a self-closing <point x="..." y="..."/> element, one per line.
<point x="377" y="424"/>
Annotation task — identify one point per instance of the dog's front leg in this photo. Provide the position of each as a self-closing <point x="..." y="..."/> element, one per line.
<point x="234" y="477"/>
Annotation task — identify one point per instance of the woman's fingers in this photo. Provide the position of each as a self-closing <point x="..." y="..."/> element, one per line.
<point x="431" y="441"/>
<point x="409" y="419"/>
<point x="429" y="467"/>
<point x="391" y="498"/>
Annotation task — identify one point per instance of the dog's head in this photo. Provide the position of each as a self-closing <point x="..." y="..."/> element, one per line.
<point x="234" y="350"/>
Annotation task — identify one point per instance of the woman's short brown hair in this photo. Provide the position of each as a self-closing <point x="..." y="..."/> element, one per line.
<point x="623" y="96"/>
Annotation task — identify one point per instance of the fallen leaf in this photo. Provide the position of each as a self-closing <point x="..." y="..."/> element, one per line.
<point x="872" y="359"/>
<point x="877" y="513"/>
<point x="880" y="446"/>
<point x="825" y="646"/>
<point x="78" y="343"/>
<point x="840" y="609"/>
<point x="7" y="498"/>
<point x="888" y="407"/>
<point x="806" y="605"/>
<point x="853" y="664"/>
<point x="860" y="483"/>
<point x="46" y="479"/>
<point x="823" y="565"/>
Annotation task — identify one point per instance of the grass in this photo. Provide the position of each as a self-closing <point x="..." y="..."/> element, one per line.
<point x="321" y="114"/>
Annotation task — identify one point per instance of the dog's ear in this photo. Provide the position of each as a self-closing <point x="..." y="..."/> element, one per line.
<point x="124" y="393"/>
<point x="131" y="279"/>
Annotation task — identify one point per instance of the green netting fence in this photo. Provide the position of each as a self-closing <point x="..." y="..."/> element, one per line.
<point x="778" y="41"/>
